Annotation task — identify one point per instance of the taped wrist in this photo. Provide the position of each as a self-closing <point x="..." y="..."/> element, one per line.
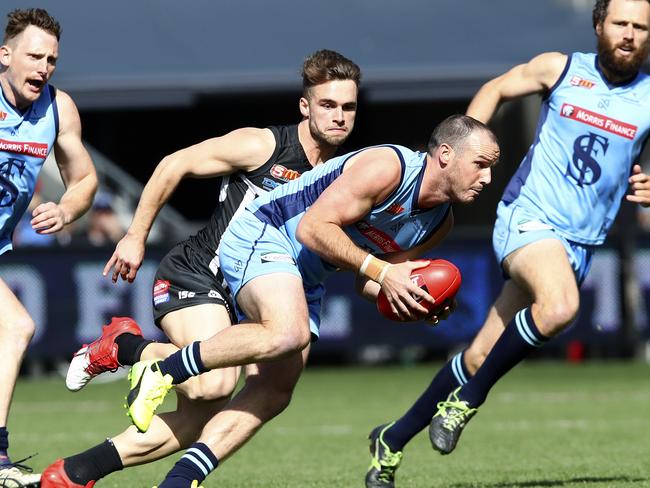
<point x="374" y="268"/>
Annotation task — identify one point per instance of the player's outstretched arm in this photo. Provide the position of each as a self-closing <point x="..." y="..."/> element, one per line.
<point x="536" y="76"/>
<point x="242" y="149"/>
<point x="368" y="179"/>
<point x="77" y="172"/>
<point x="640" y="186"/>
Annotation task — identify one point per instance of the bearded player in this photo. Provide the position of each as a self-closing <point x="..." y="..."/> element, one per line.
<point x="558" y="206"/>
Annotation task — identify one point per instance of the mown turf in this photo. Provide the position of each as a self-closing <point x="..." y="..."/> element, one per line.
<point x="544" y="425"/>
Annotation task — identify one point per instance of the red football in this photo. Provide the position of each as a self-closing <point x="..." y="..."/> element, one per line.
<point x="440" y="279"/>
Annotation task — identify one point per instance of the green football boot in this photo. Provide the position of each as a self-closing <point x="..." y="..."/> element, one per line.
<point x="384" y="462"/>
<point x="148" y="390"/>
<point x="449" y="421"/>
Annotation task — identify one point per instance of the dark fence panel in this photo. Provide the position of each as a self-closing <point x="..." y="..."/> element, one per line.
<point x="69" y="299"/>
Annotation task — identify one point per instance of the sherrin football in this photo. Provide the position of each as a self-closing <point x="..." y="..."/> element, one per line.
<point x="440" y="279"/>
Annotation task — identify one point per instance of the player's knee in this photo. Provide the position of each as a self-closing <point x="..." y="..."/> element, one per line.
<point x="281" y="344"/>
<point x="210" y="387"/>
<point x="557" y="317"/>
<point x="21" y="330"/>
<point x="473" y="358"/>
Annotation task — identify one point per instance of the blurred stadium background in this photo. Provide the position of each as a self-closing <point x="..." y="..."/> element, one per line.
<point x="152" y="76"/>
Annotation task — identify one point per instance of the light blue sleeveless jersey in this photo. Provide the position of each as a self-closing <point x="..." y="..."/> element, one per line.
<point x="589" y="135"/>
<point x="396" y="224"/>
<point x="25" y="141"/>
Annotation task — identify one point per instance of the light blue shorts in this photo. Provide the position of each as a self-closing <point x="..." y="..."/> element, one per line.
<point x="517" y="226"/>
<point x="250" y="248"/>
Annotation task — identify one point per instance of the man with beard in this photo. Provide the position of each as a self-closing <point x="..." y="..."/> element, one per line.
<point x="558" y="206"/>
<point x="191" y="300"/>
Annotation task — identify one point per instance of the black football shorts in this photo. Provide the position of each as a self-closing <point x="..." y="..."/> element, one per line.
<point x="184" y="279"/>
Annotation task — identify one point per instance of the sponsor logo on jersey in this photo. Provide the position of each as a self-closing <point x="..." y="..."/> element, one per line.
<point x="395" y="209"/>
<point x="36" y="149"/>
<point x="214" y="294"/>
<point x="183" y="294"/>
<point x="160" y="292"/>
<point x="269" y="184"/>
<point x="382" y="240"/>
<point x="3" y="115"/>
<point x="532" y="226"/>
<point x="276" y="257"/>
<point x="600" y="121"/>
<point x="285" y="174"/>
<point x="581" y="82"/>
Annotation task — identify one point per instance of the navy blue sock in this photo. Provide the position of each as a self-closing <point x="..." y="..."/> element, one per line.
<point x="4" y="446"/>
<point x="452" y="375"/>
<point x="518" y="340"/>
<point x="197" y="463"/>
<point x="183" y="364"/>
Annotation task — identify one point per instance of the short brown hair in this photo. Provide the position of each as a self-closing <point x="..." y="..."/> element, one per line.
<point x="454" y="130"/>
<point x="20" y="19"/>
<point x="325" y="65"/>
<point x="600" y="11"/>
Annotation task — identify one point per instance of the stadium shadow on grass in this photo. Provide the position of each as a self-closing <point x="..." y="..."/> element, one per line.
<point x="570" y="481"/>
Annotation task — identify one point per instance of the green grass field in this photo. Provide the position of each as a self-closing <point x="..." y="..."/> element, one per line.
<point x="544" y="425"/>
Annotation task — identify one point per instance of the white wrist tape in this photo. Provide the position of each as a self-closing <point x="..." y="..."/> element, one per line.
<point x="374" y="268"/>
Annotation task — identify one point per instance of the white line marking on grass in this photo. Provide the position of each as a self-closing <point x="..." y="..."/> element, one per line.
<point x="571" y="396"/>
<point x="77" y="435"/>
<point x="326" y="430"/>
<point x="85" y="407"/>
<point x="594" y="425"/>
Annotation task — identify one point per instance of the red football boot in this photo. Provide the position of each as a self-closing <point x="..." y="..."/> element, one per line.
<point x="54" y="477"/>
<point x="100" y="355"/>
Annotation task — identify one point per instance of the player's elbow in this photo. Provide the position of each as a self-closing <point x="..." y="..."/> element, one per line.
<point x="305" y="231"/>
<point x="171" y="169"/>
<point x="92" y="181"/>
<point x="490" y="88"/>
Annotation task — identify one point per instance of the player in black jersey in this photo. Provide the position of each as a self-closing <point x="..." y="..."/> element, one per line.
<point x="191" y="302"/>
